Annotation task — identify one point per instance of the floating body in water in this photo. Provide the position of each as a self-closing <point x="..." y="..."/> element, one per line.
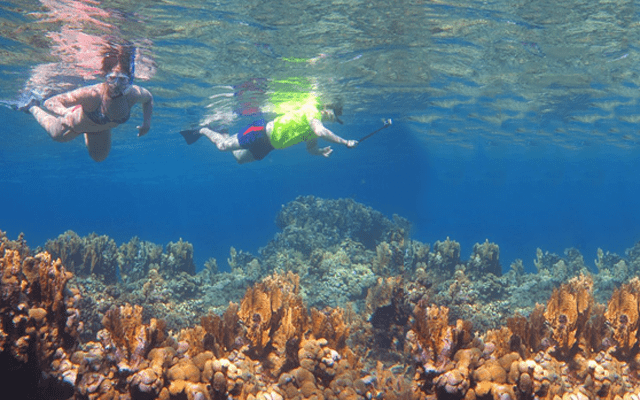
<point x="301" y="124"/>
<point x="94" y="110"/>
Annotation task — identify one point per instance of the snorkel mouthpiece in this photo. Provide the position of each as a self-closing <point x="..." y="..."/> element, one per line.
<point x="132" y="65"/>
<point x="118" y="83"/>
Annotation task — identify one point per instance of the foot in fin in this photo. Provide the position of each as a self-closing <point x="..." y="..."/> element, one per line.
<point x="191" y="135"/>
<point x="28" y="100"/>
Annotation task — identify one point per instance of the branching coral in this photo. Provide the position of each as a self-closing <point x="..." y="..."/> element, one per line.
<point x="270" y="347"/>
<point x="331" y="221"/>
<point x="221" y="332"/>
<point x="69" y="248"/>
<point x="274" y="318"/>
<point x="485" y="259"/>
<point x="130" y="335"/>
<point x="39" y="321"/>
<point x="528" y="334"/>
<point x="445" y="256"/>
<point x="179" y="258"/>
<point x="427" y="338"/>
<point x="136" y="257"/>
<point x="330" y="325"/>
<point x="568" y="312"/>
<point x="36" y="308"/>
<point x="98" y="255"/>
<point x="623" y="316"/>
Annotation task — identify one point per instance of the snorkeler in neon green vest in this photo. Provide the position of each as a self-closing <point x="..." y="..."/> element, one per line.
<point x="303" y="123"/>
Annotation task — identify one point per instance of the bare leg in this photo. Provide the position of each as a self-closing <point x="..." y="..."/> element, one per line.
<point x="57" y="127"/>
<point x="98" y="144"/>
<point x="223" y="142"/>
<point x="243" y="156"/>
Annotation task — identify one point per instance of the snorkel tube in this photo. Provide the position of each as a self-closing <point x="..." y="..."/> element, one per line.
<point x="132" y="65"/>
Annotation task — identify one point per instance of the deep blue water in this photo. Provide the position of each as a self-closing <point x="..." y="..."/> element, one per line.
<point x="518" y="197"/>
<point x="506" y="127"/>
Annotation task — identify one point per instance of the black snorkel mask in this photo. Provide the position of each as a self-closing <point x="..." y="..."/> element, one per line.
<point x="120" y="82"/>
<point x="337" y="112"/>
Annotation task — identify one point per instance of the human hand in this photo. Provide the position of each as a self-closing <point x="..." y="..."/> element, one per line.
<point x="352" y="143"/>
<point x="326" y="151"/>
<point x="142" y="130"/>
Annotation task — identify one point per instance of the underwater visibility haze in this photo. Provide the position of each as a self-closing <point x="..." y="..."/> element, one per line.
<point x="512" y="122"/>
<point x="437" y="259"/>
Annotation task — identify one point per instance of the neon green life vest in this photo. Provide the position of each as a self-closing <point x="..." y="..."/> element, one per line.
<point x="293" y="127"/>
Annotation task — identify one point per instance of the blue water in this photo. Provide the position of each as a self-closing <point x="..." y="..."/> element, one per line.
<point x="503" y="129"/>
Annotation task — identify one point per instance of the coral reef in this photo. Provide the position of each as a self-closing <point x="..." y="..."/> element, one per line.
<point x="92" y="254"/>
<point x="567" y="314"/>
<point x="558" y="352"/>
<point x="485" y="259"/>
<point x="340" y="305"/>
<point x="99" y="256"/>
<point x="330" y="221"/>
<point x="39" y="321"/>
<point x="179" y="258"/>
<point x="622" y="315"/>
<point x="136" y="258"/>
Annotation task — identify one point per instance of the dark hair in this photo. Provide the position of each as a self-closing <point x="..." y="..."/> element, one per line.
<point x="337" y="109"/>
<point x="118" y="55"/>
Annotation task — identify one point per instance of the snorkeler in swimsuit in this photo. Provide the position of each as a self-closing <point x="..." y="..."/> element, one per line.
<point x="94" y="110"/>
<point x="303" y="124"/>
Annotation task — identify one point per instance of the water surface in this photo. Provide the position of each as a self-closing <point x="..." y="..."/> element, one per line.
<point x="513" y="121"/>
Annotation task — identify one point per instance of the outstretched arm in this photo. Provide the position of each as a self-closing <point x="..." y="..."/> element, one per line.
<point x="144" y="96"/>
<point x="329" y="136"/>
<point x="61" y="103"/>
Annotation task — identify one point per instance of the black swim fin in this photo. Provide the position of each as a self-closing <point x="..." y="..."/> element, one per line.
<point x="28" y="100"/>
<point x="191" y="135"/>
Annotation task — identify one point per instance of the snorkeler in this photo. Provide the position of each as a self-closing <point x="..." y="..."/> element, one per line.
<point x="95" y="110"/>
<point x="303" y="124"/>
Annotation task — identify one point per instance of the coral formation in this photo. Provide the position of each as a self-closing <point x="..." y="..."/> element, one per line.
<point x="101" y="257"/>
<point x="92" y="254"/>
<point x="39" y="320"/>
<point x="567" y="314"/>
<point x="136" y="257"/>
<point x="340" y="305"/>
<point x="622" y="315"/>
<point x="330" y="220"/>
<point x="485" y="259"/>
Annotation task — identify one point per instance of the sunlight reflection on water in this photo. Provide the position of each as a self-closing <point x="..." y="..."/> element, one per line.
<point x="515" y="72"/>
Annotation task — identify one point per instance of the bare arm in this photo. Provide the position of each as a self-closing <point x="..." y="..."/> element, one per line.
<point x="329" y="136"/>
<point x="84" y="96"/>
<point x="143" y="96"/>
